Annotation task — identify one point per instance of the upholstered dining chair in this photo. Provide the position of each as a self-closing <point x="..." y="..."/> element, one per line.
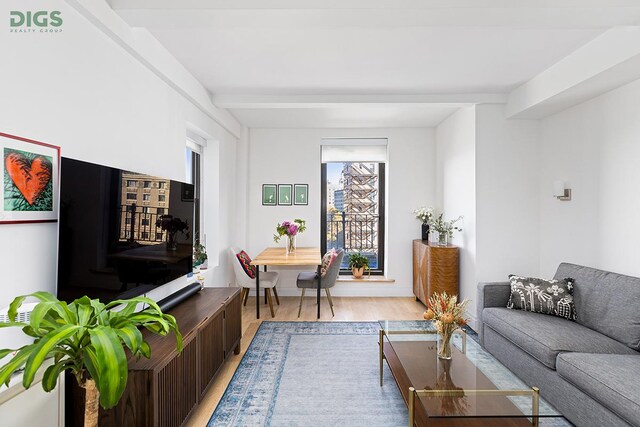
<point x="268" y="279"/>
<point x="309" y="280"/>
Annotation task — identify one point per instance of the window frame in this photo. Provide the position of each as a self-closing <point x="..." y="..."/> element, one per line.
<point x="382" y="214"/>
<point x="196" y="163"/>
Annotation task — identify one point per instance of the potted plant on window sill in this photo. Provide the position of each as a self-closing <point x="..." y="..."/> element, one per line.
<point x="87" y="338"/>
<point x="199" y="256"/>
<point x="358" y="263"/>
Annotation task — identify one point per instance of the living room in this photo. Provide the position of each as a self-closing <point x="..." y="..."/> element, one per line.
<point x="518" y="117"/>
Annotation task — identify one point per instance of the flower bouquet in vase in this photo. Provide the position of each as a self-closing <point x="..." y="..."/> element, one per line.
<point x="448" y="316"/>
<point x="425" y="216"/>
<point x="291" y="230"/>
<point x="172" y="226"/>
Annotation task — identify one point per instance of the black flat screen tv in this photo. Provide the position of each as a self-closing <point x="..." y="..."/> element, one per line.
<point x="111" y="241"/>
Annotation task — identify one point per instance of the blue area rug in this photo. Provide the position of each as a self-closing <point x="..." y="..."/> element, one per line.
<point x="327" y="374"/>
<point x="311" y="374"/>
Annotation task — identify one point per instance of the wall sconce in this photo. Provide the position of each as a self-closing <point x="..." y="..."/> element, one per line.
<point x="560" y="191"/>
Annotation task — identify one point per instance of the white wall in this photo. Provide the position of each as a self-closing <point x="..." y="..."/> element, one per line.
<point x="83" y="92"/>
<point x="507" y="165"/>
<point x="456" y="177"/>
<point x="80" y="91"/>
<point x="488" y="172"/>
<point x="593" y="147"/>
<point x="282" y="156"/>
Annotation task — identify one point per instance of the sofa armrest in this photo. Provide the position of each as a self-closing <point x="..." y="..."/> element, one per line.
<point x="490" y="294"/>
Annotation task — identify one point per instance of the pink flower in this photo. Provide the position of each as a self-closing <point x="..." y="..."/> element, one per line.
<point x="293" y="230"/>
<point x="286" y="224"/>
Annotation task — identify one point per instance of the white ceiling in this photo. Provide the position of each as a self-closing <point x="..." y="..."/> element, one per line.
<point x="313" y="47"/>
<point x="360" y="116"/>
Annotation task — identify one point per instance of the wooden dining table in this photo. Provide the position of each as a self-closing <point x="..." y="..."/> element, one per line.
<point x="279" y="257"/>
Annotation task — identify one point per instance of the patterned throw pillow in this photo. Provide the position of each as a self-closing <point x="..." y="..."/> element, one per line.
<point x="245" y="262"/>
<point x="327" y="260"/>
<point x="553" y="297"/>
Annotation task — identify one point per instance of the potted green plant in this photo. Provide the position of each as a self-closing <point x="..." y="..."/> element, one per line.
<point x="358" y="263"/>
<point x="199" y="255"/>
<point x="87" y="338"/>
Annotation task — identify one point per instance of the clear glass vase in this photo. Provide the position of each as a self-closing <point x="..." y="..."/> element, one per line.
<point x="172" y="241"/>
<point x="444" y="343"/>
<point x="291" y="244"/>
<point x="443" y="239"/>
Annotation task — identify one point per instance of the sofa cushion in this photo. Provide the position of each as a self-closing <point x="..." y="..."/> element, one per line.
<point x="554" y="297"/>
<point x="610" y="379"/>
<point x="606" y="302"/>
<point x="543" y="337"/>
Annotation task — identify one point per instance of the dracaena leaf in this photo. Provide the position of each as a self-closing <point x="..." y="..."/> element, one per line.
<point x="90" y="360"/>
<point x="12" y="324"/>
<point x="5" y="352"/>
<point x="111" y="365"/>
<point x="51" y="374"/>
<point x="42" y="349"/>
<point x="15" y="363"/>
<point x="131" y="337"/>
<point x="39" y="312"/>
<point x="100" y="312"/>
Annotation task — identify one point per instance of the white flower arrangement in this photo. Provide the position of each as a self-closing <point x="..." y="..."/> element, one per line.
<point x="424" y="214"/>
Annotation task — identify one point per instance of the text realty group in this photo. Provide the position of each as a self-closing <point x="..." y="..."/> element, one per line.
<point x="30" y="22"/>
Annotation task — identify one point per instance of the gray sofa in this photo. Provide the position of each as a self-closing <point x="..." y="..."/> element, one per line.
<point x="588" y="369"/>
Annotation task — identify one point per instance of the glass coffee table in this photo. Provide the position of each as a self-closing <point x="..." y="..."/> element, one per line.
<point x="470" y="389"/>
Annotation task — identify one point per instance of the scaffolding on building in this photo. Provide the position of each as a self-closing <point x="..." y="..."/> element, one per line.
<point x="360" y="217"/>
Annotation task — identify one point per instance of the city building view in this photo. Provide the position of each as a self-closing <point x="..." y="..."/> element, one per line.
<point x="144" y="199"/>
<point x="353" y="209"/>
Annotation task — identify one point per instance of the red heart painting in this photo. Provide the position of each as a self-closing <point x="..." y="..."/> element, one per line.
<point x="29" y="177"/>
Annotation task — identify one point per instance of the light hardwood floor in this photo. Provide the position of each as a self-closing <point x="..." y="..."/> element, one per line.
<point x="346" y="309"/>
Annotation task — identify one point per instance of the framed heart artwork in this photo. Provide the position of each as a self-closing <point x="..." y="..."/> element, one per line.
<point x="29" y="191"/>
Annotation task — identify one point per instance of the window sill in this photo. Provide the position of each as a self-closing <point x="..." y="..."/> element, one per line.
<point x="378" y="279"/>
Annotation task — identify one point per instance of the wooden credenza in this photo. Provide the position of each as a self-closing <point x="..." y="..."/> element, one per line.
<point x="164" y="390"/>
<point x="435" y="269"/>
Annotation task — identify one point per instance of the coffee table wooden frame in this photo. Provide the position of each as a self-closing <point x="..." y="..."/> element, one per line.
<point x="534" y="392"/>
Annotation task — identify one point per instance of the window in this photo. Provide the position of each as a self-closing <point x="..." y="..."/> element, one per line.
<point x="193" y="165"/>
<point x="161" y="198"/>
<point x="162" y="185"/>
<point x="159" y="236"/>
<point x="146" y="197"/>
<point x="132" y="183"/>
<point x="145" y="221"/>
<point x="128" y="220"/>
<point x="160" y="211"/>
<point x="132" y="196"/>
<point x="145" y="209"/>
<point x="353" y="199"/>
<point x="145" y="235"/>
<point x="147" y="184"/>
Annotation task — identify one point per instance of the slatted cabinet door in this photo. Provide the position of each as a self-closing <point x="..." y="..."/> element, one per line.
<point x="233" y="325"/>
<point x="177" y="395"/>
<point x="211" y="341"/>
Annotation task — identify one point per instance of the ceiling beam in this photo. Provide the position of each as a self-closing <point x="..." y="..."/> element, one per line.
<point x="479" y="17"/>
<point x="366" y="4"/>
<point x="605" y="63"/>
<point x="332" y="101"/>
<point x="148" y="51"/>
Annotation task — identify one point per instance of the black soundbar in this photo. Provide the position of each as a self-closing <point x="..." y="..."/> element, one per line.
<point x="177" y="297"/>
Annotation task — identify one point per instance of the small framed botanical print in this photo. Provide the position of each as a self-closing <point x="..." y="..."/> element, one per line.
<point x="30" y="180"/>
<point x="301" y="194"/>
<point x="269" y="194"/>
<point x="285" y="194"/>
